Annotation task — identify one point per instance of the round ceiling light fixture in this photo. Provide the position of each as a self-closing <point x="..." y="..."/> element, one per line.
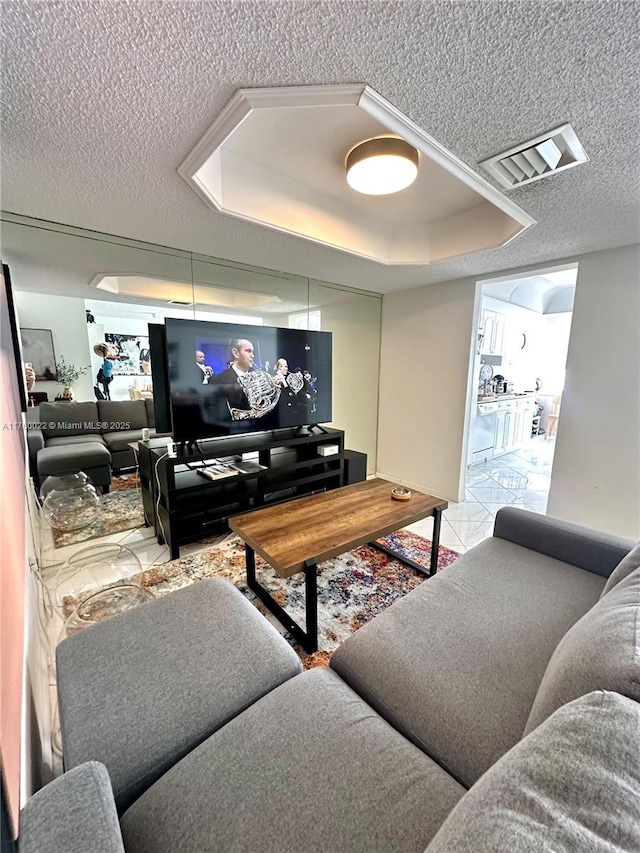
<point x="381" y="166"/>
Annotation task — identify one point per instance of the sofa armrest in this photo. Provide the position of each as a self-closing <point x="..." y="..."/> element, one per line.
<point x="73" y="814"/>
<point x="579" y="546"/>
<point x="35" y="442"/>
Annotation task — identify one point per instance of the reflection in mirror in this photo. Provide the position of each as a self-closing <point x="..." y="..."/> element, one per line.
<point x="267" y="297"/>
<point x="126" y="284"/>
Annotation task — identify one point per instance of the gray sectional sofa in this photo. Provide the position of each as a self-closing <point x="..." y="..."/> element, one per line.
<point x="89" y="436"/>
<point x="493" y="708"/>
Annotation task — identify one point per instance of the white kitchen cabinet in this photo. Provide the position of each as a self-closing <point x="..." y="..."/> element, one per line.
<point x="513" y="433"/>
<point x="494" y="328"/>
<point x="513" y="425"/>
<point x="502" y="426"/>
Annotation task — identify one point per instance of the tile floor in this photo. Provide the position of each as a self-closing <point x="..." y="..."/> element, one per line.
<point x="518" y="479"/>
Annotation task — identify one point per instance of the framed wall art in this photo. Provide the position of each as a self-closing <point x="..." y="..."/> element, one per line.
<point x="37" y="349"/>
<point x="130" y="353"/>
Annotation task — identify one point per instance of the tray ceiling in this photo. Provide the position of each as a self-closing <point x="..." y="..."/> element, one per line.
<point x="277" y="157"/>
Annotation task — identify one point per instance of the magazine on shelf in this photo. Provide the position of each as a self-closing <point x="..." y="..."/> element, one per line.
<point x="246" y="466"/>
<point x="211" y="473"/>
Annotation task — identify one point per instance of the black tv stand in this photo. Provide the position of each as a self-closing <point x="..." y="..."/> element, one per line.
<point x="185" y="507"/>
<point x="311" y="427"/>
<point x="187" y="448"/>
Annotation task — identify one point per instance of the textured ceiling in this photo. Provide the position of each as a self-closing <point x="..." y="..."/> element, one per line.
<point x="103" y="100"/>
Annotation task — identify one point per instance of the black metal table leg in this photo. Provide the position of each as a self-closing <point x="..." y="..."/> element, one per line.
<point x="435" y="541"/>
<point x="308" y="639"/>
<point x="435" y="546"/>
<point x="401" y="557"/>
<point x="311" y="605"/>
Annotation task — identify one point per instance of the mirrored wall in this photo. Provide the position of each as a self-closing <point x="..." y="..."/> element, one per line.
<point x="85" y="288"/>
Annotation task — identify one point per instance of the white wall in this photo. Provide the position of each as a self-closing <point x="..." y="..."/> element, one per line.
<point x="66" y="318"/>
<point x="355" y="359"/>
<point x="552" y="362"/>
<point x="596" y="472"/>
<point x="425" y="352"/>
<point x="426" y="349"/>
<point x="553" y="354"/>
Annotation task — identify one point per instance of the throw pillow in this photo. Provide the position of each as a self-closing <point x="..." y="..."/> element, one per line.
<point x="600" y="652"/>
<point x="624" y="568"/>
<point x="573" y="784"/>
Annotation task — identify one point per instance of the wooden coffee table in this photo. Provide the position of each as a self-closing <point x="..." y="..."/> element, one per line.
<point x="295" y="536"/>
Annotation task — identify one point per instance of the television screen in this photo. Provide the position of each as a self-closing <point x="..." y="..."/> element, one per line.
<point x="227" y="378"/>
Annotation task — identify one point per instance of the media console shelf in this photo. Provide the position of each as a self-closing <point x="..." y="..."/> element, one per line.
<point x="184" y="506"/>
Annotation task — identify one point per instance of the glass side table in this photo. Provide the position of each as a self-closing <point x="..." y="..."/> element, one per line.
<point x="96" y="568"/>
<point x="70" y="501"/>
<point x="104" y="604"/>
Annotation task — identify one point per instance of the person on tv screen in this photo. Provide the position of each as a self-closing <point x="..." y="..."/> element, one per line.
<point x="204" y="371"/>
<point x="297" y="398"/>
<point x="249" y="393"/>
<point x="281" y="378"/>
<point x="310" y="380"/>
<point x="282" y="369"/>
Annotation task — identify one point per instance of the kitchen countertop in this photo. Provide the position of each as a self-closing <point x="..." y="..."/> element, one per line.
<point x="498" y="397"/>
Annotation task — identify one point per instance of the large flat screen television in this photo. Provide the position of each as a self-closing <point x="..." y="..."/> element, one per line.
<point x="227" y="378"/>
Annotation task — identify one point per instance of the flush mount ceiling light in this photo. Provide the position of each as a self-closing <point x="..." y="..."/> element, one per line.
<point x="382" y="166"/>
<point x="276" y="157"/>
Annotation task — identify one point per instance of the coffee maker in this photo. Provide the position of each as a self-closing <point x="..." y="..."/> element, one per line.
<point x="500" y="384"/>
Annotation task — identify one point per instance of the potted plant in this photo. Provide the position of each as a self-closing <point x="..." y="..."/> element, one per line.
<point x="67" y="375"/>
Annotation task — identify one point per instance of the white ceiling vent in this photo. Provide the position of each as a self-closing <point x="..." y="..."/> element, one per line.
<point x="548" y="154"/>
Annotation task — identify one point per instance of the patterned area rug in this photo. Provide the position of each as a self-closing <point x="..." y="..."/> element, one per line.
<point x="120" y="509"/>
<point x="352" y="588"/>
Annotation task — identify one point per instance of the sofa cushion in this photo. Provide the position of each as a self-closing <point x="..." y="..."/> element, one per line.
<point x="139" y="690"/>
<point x="572" y="785"/>
<point x="624" y="568"/>
<point x="309" y="768"/>
<point x="118" y="441"/>
<point x="69" y="459"/>
<point x="456" y="663"/>
<point x="122" y="414"/>
<point x="600" y="652"/>
<point x="70" y="440"/>
<point x="73" y="814"/>
<point x="69" y="419"/>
